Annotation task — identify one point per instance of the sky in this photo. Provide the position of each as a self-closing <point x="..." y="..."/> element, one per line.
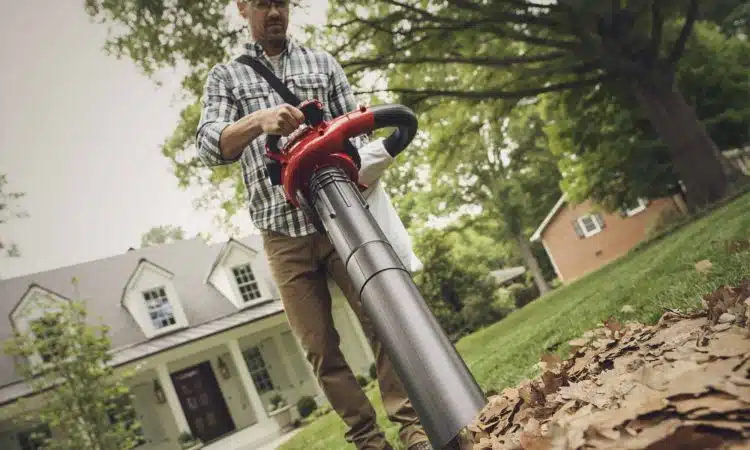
<point x="81" y="135"/>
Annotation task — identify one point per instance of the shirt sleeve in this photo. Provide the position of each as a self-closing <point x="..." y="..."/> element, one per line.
<point x="341" y="97"/>
<point x="218" y="111"/>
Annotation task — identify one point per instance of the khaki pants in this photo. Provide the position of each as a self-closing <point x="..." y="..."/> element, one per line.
<point x="300" y="267"/>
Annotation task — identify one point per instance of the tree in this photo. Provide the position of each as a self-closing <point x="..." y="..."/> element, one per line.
<point x="608" y="151"/>
<point x="9" y="210"/>
<point x="162" y="234"/>
<point x="158" y="34"/>
<point x="58" y="355"/>
<point x="497" y="161"/>
<point x="457" y="289"/>
<point x="516" y="49"/>
<point x="732" y="16"/>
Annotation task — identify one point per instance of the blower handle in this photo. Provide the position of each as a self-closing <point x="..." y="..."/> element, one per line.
<point x="403" y="119"/>
<point x="365" y="120"/>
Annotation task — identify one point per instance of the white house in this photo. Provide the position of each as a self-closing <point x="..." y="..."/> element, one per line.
<point x="203" y="326"/>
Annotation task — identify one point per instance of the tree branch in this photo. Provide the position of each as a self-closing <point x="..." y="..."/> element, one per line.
<point x="687" y="29"/>
<point x="485" y="62"/>
<point x="492" y="93"/>
<point x="657" y="24"/>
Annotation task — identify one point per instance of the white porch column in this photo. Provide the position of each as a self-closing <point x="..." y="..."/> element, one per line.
<point x="247" y="381"/>
<point x="165" y="380"/>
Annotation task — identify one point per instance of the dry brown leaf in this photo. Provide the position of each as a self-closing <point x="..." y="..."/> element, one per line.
<point x="680" y="384"/>
<point x="729" y="344"/>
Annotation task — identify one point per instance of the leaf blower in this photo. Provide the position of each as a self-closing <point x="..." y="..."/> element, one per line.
<point x="318" y="168"/>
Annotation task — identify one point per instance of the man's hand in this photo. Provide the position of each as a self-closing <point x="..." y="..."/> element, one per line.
<point x="281" y="120"/>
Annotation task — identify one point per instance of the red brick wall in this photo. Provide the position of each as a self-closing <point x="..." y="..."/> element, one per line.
<point x="574" y="257"/>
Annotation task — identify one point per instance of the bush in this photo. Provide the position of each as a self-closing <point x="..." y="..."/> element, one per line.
<point x="668" y="218"/>
<point x="479" y="312"/>
<point x="523" y="295"/>
<point x="362" y="380"/>
<point x="503" y="300"/>
<point x="373" y="371"/>
<point x="306" y="405"/>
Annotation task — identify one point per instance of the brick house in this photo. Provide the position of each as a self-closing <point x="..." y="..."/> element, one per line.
<point x="580" y="238"/>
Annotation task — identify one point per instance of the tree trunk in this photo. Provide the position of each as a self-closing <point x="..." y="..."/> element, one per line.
<point x="532" y="264"/>
<point x="703" y="170"/>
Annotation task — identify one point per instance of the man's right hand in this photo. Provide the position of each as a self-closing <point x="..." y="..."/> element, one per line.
<point x="281" y="120"/>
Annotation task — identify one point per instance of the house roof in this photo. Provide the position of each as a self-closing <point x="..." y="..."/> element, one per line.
<point x="223" y="253"/>
<point x="503" y="275"/>
<point x="100" y="285"/>
<point x="11" y="392"/>
<point x="551" y="215"/>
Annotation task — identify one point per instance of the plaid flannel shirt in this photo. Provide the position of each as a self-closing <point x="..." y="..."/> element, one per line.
<point x="233" y="90"/>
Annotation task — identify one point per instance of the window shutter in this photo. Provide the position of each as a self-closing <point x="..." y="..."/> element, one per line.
<point x="599" y="219"/>
<point x="578" y="230"/>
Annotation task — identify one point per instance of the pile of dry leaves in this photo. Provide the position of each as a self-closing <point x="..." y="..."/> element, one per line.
<point x="681" y="384"/>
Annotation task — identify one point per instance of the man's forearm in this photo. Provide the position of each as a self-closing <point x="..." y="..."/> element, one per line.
<point x="235" y="137"/>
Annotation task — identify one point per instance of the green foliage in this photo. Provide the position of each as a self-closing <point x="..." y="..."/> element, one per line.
<point x="187" y="440"/>
<point x="456" y="289"/>
<point x="522" y="294"/>
<point x="608" y="149"/>
<point x="668" y="218"/>
<point x="306" y="405"/>
<point x="276" y="401"/>
<point x="162" y="234"/>
<point x="56" y="356"/>
<point x="373" y="371"/>
<point x="9" y="210"/>
<point x="362" y="380"/>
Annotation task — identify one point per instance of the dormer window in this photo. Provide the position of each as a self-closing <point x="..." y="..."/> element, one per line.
<point x="238" y="272"/>
<point x="246" y="283"/>
<point x="48" y="336"/>
<point x="159" y="308"/>
<point x="150" y="296"/>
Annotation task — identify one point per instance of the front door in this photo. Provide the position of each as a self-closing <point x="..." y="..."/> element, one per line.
<point x="204" y="405"/>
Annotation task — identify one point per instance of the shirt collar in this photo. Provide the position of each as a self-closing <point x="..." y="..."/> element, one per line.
<point x="256" y="50"/>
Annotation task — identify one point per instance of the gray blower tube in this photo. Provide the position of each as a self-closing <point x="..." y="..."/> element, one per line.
<point x="440" y="386"/>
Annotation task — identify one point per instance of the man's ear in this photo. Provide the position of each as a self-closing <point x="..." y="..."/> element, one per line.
<point x="242" y="6"/>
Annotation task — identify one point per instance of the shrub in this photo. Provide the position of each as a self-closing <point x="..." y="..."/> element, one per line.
<point x="362" y="380"/>
<point x="523" y="295"/>
<point x="373" y="371"/>
<point x="503" y="300"/>
<point x="667" y="219"/>
<point x="479" y="312"/>
<point x="306" y="405"/>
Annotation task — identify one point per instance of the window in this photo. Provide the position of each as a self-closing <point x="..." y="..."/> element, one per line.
<point x="257" y="366"/>
<point x="246" y="283"/>
<point x="47" y="332"/>
<point x="588" y="225"/>
<point x="35" y="438"/>
<point x="159" y="308"/>
<point x="637" y="209"/>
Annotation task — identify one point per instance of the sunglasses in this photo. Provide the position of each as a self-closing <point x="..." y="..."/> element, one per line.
<point x="265" y="5"/>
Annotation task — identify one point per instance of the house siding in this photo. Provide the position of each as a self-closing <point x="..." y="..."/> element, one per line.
<point x="574" y="257"/>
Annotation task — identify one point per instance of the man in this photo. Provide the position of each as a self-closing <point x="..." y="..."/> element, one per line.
<point x="239" y="109"/>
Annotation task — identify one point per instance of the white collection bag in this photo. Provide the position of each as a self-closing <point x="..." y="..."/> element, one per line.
<point x="375" y="159"/>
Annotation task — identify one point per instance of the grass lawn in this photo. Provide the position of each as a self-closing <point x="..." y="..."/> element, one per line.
<point x="659" y="275"/>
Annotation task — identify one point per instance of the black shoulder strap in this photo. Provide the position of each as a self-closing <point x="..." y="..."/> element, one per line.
<point x="272" y="79"/>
